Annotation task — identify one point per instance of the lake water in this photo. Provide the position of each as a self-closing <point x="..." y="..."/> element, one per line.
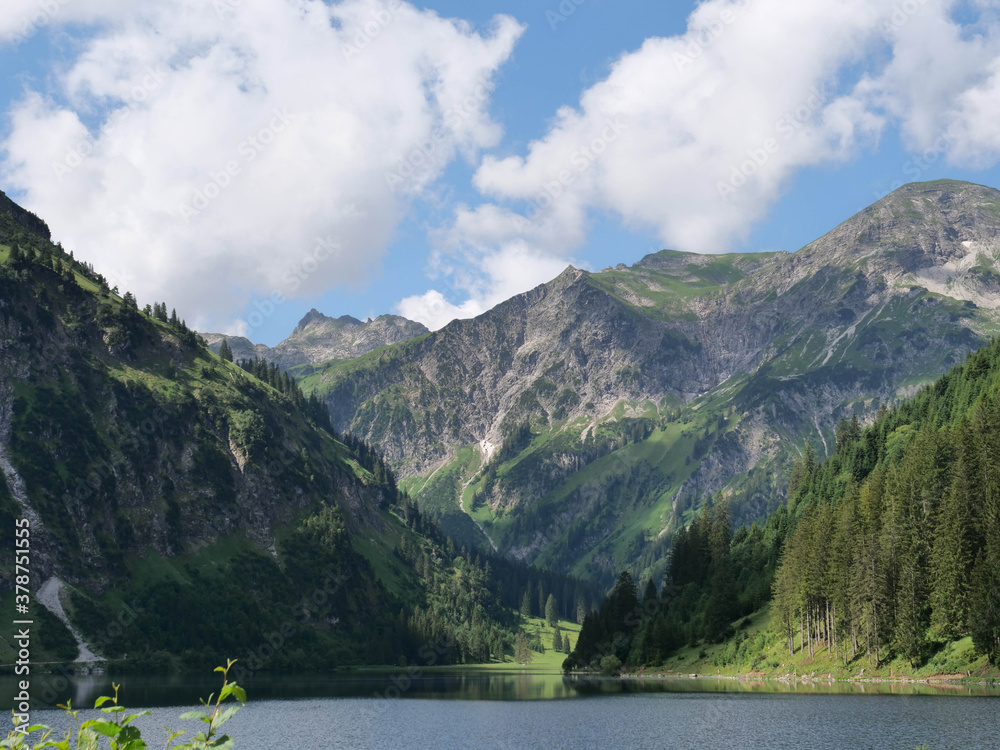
<point x="490" y="710"/>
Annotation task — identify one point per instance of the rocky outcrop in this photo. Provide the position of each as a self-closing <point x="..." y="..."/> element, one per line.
<point x="24" y="217"/>
<point x="750" y="355"/>
<point x="318" y="338"/>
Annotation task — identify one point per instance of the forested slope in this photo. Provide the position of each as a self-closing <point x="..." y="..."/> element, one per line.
<point x="887" y="551"/>
<point x="198" y="510"/>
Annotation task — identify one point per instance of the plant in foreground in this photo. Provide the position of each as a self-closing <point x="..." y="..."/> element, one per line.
<point x="119" y="732"/>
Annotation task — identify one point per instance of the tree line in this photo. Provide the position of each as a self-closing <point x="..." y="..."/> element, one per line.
<point x="889" y="548"/>
<point x="897" y="546"/>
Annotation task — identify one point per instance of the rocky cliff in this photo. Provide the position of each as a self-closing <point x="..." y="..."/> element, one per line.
<point x="646" y="389"/>
<point x="319" y="339"/>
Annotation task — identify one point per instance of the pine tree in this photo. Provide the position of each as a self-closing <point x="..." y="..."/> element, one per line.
<point x="649" y="597"/>
<point x="951" y="560"/>
<point x="984" y="619"/>
<point x="551" y="614"/>
<point x="557" y="641"/>
<point x="720" y="532"/>
<point x="526" y="602"/>
<point x="225" y="352"/>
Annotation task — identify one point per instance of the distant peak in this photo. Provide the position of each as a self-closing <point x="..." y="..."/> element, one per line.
<point x="315" y="316"/>
<point x="310" y="317"/>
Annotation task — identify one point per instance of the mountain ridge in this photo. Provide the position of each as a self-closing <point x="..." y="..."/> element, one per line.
<point x="777" y="346"/>
<point x="318" y="338"/>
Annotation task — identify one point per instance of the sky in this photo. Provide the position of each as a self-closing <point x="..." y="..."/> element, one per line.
<point x="247" y="160"/>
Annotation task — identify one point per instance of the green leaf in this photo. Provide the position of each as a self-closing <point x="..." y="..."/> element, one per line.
<point x="102" y="700"/>
<point x="191" y="715"/>
<point x="226" y="715"/>
<point x="130" y="734"/>
<point x="107" y="728"/>
<point x="240" y="693"/>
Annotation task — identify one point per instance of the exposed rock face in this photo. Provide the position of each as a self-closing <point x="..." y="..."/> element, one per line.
<point x="121" y="435"/>
<point x="318" y="339"/>
<point x="24" y="217"/>
<point x="732" y="361"/>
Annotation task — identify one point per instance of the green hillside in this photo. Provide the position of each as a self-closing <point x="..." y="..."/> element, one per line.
<point x="883" y="562"/>
<point x="193" y="509"/>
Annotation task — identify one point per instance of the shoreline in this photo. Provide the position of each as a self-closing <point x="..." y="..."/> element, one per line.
<point x="944" y="680"/>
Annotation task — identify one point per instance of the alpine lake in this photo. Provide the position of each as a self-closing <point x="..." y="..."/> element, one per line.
<point x="531" y="709"/>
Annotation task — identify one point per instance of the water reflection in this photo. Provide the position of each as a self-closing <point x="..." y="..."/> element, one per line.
<point x="471" y="685"/>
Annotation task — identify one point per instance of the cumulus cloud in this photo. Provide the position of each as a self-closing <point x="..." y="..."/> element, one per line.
<point x="497" y="276"/>
<point x="696" y="136"/>
<point x="214" y="152"/>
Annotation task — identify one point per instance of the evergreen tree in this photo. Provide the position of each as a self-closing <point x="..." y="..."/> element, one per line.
<point x="649" y="596"/>
<point x="952" y="556"/>
<point x="557" y="641"/>
<point x="225" y="352"/>
<point x="551" y="614"/>
<point x="526" y="602"/>
<point x="522" y="650"/>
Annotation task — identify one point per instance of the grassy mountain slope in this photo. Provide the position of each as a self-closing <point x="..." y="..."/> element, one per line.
<point x="648" y="389"/>
<point x="197" y="512"/>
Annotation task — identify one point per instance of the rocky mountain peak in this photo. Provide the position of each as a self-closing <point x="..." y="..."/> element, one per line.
<point x="728" y="362"/>
<point x="319" y="338"/>
<point x="314" y="316"/>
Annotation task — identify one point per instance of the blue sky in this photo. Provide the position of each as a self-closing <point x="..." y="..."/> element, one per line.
<point x="163" y="102"/>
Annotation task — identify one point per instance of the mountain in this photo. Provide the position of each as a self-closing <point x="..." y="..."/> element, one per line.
<point x="885" y="558"/>
<point x="318" y="339"/>
<point x="15" y="218"/>
<point x="580" y="424"/>
<point x="183" y="510"/>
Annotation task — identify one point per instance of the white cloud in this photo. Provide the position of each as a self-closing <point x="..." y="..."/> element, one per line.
<point x="499" y="275"/>
<point x="207" y="153"/>
<point x="941" y="81"/>
<point x="714" y="123"/>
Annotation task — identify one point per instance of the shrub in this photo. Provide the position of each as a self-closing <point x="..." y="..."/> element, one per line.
<point x="116" y="727"/>
<point x="611" y="665"/>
